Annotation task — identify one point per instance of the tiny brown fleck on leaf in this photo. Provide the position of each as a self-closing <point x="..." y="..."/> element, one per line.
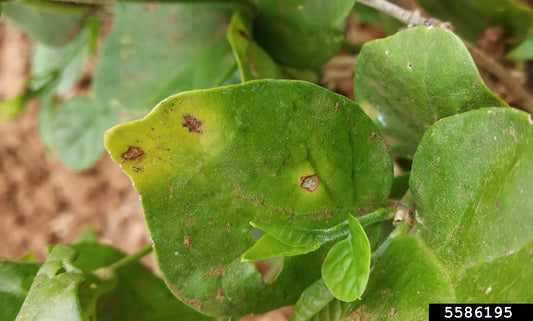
<point x="372" y="136"/>
<point x="192" y="302"/>
<point x="244" y="34"/>
<point x="393" y="311"/>
<point x="189" y="222"/>
<point x="228" y="227"/>
<point x="220" y="294"/>
<point x="187" y="241"/>
<point x="133" y="153"/>
<point x="309" y="183"/>
<point x="192" y="124"/>
<point x="216" y="271"/>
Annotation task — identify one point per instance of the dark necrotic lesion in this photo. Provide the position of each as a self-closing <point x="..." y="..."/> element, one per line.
<point x="192" y="124"/>
<point x="309" y="183"/>
<point x="133" y="153"/>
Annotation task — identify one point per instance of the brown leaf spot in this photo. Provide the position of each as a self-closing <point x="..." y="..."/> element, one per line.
<point x="372" y="136"/>
<point x="192" y="124"/>
<point x="192" y="302"/>
<point x="393" y="311"/>
<point x="220" y="295"/>
<point x="309" y="183"/>
<point x="244" y="34"/>
<point x="187" y="241"/>
<point x="133" y="153"/>
<point x="189" y="222"/>
<point x="217" y="270"/>
<point x="228" y="227"/>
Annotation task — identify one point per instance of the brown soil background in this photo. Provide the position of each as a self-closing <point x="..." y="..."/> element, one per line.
<point x="42" y="202"/>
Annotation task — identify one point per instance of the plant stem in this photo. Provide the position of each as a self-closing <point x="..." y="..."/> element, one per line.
<point x="341" y="230"/>
<point x="413" y="18"/>
<point x="107" y="271"/>
<point x="379" y="215"/>
<point x="401" y="229"/>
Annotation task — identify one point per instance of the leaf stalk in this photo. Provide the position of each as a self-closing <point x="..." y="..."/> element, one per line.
<point x="108" y="271"/>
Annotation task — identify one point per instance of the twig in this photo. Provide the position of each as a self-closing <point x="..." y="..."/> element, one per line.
<point x="410" y="17"/>
<point x="413" y="18"/>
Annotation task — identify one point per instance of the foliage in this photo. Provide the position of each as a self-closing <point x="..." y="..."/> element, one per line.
<point x="245" y="162"/>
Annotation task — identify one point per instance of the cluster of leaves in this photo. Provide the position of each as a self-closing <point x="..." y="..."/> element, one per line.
<point x="287" y="173"/>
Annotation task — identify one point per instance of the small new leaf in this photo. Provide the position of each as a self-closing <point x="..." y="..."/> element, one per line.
<point x="346" y="268"/>
<point x="318" y="304"/>
<point x="268" y="247"/>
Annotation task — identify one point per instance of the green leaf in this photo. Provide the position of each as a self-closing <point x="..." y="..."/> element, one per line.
<point x="54" y="69"/>
<point x="78" y="129"/>
<point x="87" y="234"/>
<point x="254" y="62"/>
<point x="462" y="178"/>
<point x="471" y="180"/>
<point x="301" y="34"/>
<point x="11" y="108"/>
<point x="35" y="19"/>
<point x="408" y="81"/>
<point x="15" y="280"/>
<point x="156" y="50"/>
<point x="59" y="67"/>
<point x="347" y="266"/>
<point x="138" y="295"/>
<point x="525" y="50"/>
<point x="60" y="291"/>
<point x="404" y="281"/>
<point x="208" y="162"/>
<point x="268" y="247"/>
<point x="318" y="304"/>
<point x="470" y="18"/>
<point x="400" y="185"/>
<point x="289" y="240"/>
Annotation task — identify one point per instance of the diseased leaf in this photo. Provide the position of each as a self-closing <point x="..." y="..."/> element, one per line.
<point x="205" y="168"/>
<point x="471" y="181"/>
<point x="471" y="18"/>
<point x="301" y="34"/>
<point x="408" y="81"/>
<point x="157" y="50"/>
<point x="15" y="280"/>
<point x="347" y="266"/>
<point x="78" y="131"/>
